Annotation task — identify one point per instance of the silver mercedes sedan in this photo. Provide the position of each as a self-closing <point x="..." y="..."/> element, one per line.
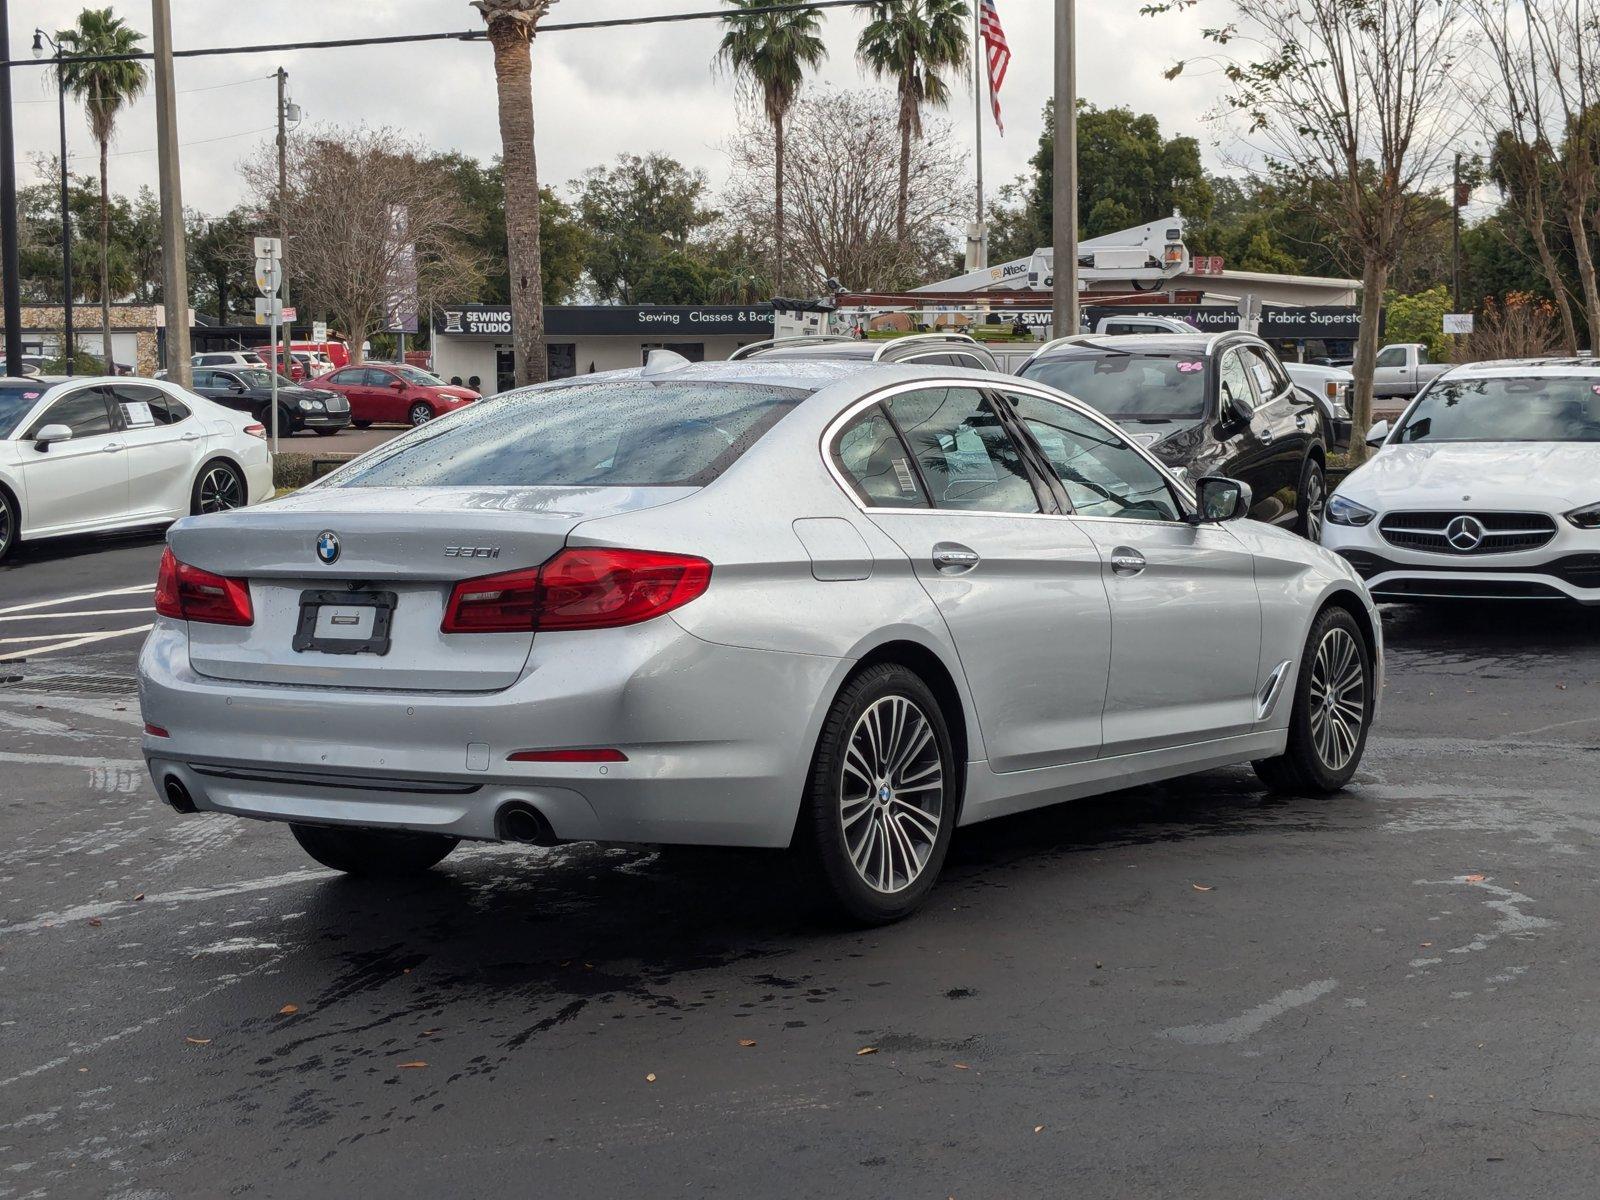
<point x="838" y="607"/>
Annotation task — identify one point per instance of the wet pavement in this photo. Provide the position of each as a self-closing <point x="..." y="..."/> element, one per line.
<point x="1183" y="991"/>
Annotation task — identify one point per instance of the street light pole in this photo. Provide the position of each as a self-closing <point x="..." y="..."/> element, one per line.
<point x="1064" y="193"/>
<point x="174" y="267"/>
<point x="9" y="264"/>
<point x="40" y="37"/>
<point x="283" y="218"/>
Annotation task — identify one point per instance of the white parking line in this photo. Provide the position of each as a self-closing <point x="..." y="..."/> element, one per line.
<point x="73" y="643"/>
<point x="65" y="616"/>
<point x="33" y="604"/>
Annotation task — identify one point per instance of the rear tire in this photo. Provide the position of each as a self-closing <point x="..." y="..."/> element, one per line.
<point x="881" y="802"/>
<point x="377" y="852"/>
<point x="219" y="488"/>
<point x="1333" y="692"/>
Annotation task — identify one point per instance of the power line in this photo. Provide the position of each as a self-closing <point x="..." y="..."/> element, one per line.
<point x="470" y="35"/>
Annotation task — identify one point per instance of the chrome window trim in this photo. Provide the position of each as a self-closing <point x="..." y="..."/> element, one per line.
<point x="835" y="427"/>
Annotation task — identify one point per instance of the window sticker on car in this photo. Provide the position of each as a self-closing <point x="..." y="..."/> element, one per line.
<point x="1595" y="389"/>
<point x="902" y="472"/>
<point x="137" y="412"/>
<point x="1190" y="367"/>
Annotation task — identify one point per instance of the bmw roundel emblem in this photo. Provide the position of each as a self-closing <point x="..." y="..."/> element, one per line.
<point x="328" y="546"/>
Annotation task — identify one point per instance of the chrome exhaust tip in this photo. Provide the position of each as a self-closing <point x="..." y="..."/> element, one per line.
<point x="178" y="795"/>
<point x="519" y="821"/>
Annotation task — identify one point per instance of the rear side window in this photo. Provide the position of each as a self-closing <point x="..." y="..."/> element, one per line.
<point x="633" y="433"/>
<point x="967" y="459"/>
<point x="871" y="456"/>
<point x="350" y="377"/>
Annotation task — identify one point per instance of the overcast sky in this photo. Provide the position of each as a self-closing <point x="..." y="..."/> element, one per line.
<point x="597" y="94"/>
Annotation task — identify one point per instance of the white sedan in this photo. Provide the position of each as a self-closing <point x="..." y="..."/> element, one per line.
<point x="90" y="455"/>
<point x="1488" y="487"/>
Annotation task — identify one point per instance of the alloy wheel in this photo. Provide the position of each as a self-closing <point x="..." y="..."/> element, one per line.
<point x="220" y="490"/>
<point x="1316" y="505"/>
<point x="421" y="414"/>
<point x="1338" y="699"/>
<point x="891" y="794"/>
<point x="5" y="527"/>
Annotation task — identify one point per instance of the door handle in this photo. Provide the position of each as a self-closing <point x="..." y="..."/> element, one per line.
<point x="1127" y="561"/>
<point x="110" y="447"/>
<point x="191" y="436"/>
<point x="952" y="558"/>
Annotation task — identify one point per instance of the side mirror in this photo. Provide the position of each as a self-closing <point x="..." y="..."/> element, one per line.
<point x="1378" y="434"/>
<point x="236" y="386"/>
<point x="50" y="435"/>
<point x="399" y="385"/>
<point x="1221" y="499"/>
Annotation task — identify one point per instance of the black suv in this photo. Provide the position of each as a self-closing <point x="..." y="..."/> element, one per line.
<point x="936" y="349"/>
<point x="249" y="389"/>
<point x="1210" y="404"/>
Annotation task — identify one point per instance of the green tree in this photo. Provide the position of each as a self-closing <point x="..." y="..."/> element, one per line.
<point x="638" y="210"/>
<point x="104" y="88"/>
<point x="563" y="241"/>
<point x="221" y="272"/>
<point x="675" y="278"/>
<point x="1420" y="318"/>
<point x="913" y="43"/>
<point x="512" y="25"/>
<point x="771" y="52"/>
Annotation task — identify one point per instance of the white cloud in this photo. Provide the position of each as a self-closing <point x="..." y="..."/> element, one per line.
<point x="597" y="93"/>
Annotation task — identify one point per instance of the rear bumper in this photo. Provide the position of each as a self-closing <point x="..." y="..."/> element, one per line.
<point x="718" y="741"/>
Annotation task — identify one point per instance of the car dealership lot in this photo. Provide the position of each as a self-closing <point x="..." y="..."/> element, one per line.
<point x="1184" y="990"/>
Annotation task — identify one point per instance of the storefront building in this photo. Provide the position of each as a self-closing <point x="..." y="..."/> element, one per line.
<point x="472" y="342"/>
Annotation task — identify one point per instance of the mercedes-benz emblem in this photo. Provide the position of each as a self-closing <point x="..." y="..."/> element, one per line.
<point x="328" y="546"/>
<point x="1464" y="534"/>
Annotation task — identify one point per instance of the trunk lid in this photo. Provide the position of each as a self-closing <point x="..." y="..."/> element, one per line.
<point x="408" y="546"/>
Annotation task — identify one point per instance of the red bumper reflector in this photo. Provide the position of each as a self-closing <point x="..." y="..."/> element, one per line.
<point x="568" y="756"/>
<point x="155" y="730"/>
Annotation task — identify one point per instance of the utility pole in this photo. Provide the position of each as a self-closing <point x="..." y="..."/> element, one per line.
<point x="1064" y="298"/>
<point x="283" y="215"/>
<point x="9" y="264"/>
<point x="174" y="253"/>
<point x="40" y="37"/>
<point x="1455" y="236"/>
<point x="980" y="255"/>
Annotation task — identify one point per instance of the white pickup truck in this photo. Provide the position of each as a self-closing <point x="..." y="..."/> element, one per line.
<point x="1403" y="370"/>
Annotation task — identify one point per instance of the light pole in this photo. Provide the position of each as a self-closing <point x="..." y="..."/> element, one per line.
<point x="40" y="37"/>
<point x="288" y="118"/>
<point x="11" y="286"/>
<point x="1064" y="193"/>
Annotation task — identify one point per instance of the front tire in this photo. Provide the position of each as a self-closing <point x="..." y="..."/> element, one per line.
<point x="219" y="488"/>
<point x="880" y="805"/>
<point x="1312" y="500"/>
<point x="378" y="852"/>
<point x="10" y="524"/>
<point x="1333" y="706"/>
<point x="420" y="414"/>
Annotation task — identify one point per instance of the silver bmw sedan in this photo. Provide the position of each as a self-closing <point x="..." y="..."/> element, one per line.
<point x="841" y="607"/>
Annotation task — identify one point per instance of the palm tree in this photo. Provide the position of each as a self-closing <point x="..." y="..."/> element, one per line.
<point x="770" y="52"/>
<point x="512" y="26"/>
<point x="914" y="42"/>
<point x="105" y="88"/>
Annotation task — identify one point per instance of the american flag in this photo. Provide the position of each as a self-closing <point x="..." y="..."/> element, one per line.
<point x="994" y="41"/>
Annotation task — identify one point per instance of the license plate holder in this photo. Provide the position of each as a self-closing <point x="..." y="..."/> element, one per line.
<point x="333" y="622"/>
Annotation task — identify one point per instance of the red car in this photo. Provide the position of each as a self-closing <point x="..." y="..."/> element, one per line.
<point x="393" y="392"/>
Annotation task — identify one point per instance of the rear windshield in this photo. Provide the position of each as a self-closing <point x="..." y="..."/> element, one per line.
<point x="1530" y="408"/>
<point x="17" y="398"/>
<point x="1123" y="385"/>
<point x="632" y="433"/>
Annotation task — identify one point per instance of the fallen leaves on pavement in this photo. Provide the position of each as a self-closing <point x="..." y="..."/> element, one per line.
<point x="194" y="1041"/>
<point x="288" y="1010"/>
<point x="866" y="1050"/>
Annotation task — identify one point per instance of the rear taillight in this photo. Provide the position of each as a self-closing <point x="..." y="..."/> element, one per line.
<point x="580" y="588"/>
<point x="259" y="431"/>
<point x="190" y="594"/>
<point x="568" y="756"/>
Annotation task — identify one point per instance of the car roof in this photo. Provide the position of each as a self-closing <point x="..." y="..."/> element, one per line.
<point x="801" y="373"/>
<point x="1144" y="343"/>
<point x="1580" y="366"/>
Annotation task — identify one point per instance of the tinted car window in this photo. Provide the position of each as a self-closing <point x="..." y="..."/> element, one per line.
<point x="637" y="433"/>
<point x="1394" y="356"/>
<point x="1127" y="384"/>
<point x="136" y="401"/>
<point x="1528" y="408"/>
<point x="967" y="459"/>
<point x="372" y="377"/>
<point x="85" y="413"/>
<point x="1234" y="381"/>
<point x="351" y="377"/>
<point x="205" y="379"/>
<point x="872" y="457"/>
<point x="1271" y="379"/>
<point x="1103" y="475"/>
<point x="17" y="398"/>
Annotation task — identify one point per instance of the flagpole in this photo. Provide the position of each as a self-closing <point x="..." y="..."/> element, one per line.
<point x="981" y="255"/>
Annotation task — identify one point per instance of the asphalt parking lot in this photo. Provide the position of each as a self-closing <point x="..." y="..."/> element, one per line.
<point x="1184" y="991"/>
